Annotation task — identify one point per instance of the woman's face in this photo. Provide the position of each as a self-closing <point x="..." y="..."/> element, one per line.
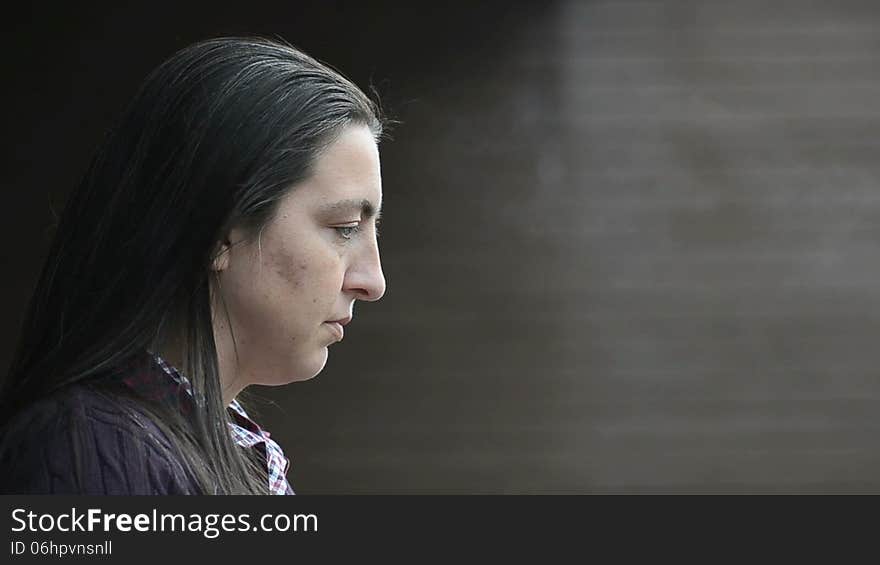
<point x="305" y="270"/>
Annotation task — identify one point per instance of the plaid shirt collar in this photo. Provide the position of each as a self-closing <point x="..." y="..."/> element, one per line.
<point x="245" y="432"/>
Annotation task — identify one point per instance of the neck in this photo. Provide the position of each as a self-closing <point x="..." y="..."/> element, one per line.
<point x="230" y="382"/>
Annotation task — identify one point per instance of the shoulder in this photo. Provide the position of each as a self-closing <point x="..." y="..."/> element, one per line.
<point x="82" y="441"/>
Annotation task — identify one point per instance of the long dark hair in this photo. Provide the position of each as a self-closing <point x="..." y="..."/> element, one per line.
<point x="215" y="137"/>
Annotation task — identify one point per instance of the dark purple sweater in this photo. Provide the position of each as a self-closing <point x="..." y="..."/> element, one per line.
<point x="121" y="451"/>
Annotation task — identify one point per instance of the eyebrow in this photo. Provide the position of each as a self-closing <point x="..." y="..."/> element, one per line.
<point x="365" y="207"/>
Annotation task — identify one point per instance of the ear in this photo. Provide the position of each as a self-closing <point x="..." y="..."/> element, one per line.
<point x="221" y="256"/>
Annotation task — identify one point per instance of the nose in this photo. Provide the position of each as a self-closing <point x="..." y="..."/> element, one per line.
<point x="365" y="278"/>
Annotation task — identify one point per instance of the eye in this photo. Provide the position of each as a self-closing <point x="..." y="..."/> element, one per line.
<point x="346" y="232"/>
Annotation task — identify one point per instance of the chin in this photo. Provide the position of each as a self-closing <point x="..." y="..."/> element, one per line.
<point x="310" y="369"/>
<point x="299" y="369"/>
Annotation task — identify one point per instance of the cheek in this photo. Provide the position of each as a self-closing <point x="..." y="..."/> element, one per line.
<point x="290" y="274"/>
<point x="308" y="279"/>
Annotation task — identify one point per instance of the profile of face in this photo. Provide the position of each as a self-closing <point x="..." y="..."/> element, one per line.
<point x="289" y="291"/>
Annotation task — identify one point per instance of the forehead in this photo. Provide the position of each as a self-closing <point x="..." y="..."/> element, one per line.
<point x="348" y="169"/>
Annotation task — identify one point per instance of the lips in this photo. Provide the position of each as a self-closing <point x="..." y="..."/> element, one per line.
<point x="336" y="328"/>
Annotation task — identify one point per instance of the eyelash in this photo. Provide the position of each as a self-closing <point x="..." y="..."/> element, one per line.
<point x="348" y="232"/>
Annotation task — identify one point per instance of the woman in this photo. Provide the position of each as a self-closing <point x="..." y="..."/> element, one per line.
<point x="219" y="239"/>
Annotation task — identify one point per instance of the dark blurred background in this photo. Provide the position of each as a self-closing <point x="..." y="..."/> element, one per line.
<point x="631" y="246"/>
